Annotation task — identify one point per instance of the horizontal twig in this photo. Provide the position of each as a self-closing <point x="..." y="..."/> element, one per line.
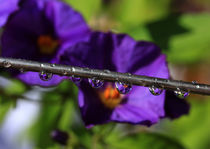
<point x="106" y="75"/>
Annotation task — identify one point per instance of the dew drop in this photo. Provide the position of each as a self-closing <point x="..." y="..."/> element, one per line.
<point x="123" y="88"/>
<point x="107" y="71"/>
<point x="65" y="73"/>
<point x="195" y="82"/>
<point x="129" y="75"/>
<point x="73" y="69"/>
<point x="181" y="94"/>
<point x="52" y="65"/>
<point x="22" y="70"/>
<point x="41" y="65"/>
<point x="6" y="64"/>
<point x="44" y="76"/>
<point x="86" y="69"/>
<point x="155" y="91"/>
<point x="96" y="83"/>
<point x="76" y="79"/>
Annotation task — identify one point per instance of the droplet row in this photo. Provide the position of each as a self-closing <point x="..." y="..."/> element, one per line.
<point x="123" y="88"/>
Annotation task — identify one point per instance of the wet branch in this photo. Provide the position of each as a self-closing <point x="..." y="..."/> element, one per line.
<point x="105" y="75"/>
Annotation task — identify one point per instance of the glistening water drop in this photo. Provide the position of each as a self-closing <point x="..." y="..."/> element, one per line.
<point x="44" y="76"/>
<point x="6" y="64"/>
<point x="76" y="79"/>
<point x="181" y="94"/>
<point x="155" y="91"/>
<point x="123" y="88"/>
<point x="96" y="83"/>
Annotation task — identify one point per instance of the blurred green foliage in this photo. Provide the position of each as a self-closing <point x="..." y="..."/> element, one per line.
<point x="5" y="105"/>
<point x="15" y="88"/>
<point x="56" y="113"/>
<point x="146" y="141"/>
<point x="192" y="130"/>
<point x="184" y="38"/>
<point x="134" y="12"/>
<point x="88" y="8"/>
<point x="194" y="44"/>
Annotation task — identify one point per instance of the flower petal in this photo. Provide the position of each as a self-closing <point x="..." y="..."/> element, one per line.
<point x="92" y="110"/>
<point x="69" y="25"/>
<point x="130" y="55"/>
<point x="6" y="8"/>
<point x="140" y="97"/>
<point x="146" y="107"/>
<point x="96" y="53"/>
<point x="174" y="106"/>
<point x="32" y="78"/>
<point x="134" y="115"/>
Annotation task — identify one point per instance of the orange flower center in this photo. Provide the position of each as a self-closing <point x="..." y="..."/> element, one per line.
<point x="110" y="97"/>
<point x="47" y="45"/>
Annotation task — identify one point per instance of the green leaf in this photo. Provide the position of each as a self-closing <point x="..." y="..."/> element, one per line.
<point x="137" y="32"/>
<point x="133" y="12"/>
<point x="194" y="45"/>
<point x="192" y="130"/>
<point x="56" y="113"/>
<point x="16" y="88"/>
<point x="145" y="141"/>
<point x="67" y="115"/>
<point x="5" y="105"/>
<point x="88" y="8"/>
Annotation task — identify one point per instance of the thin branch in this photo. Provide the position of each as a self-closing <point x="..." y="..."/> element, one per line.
<point x="105" y="75"/>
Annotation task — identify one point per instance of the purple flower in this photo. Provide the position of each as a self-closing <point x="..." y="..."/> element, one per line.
<point x="6" y="8"/>
<point x="40" y="31"/>
<point x="120" y="53"/>
<point x="60" y="137"/>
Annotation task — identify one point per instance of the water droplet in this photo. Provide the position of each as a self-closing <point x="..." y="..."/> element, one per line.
<point x="181" y="94"/>
<point x="76" y="79"/>
<point x="155" y="91"/>
<point x="129" y="75"/>
<point x="155" y="79"/>
<point x="22" y="70"/>
<point x="44" y="76"/>
<point x="96" y="83"/>
<point x="123" y="88"/>
<point x="86" y="69"/>
<point x="6" y="64"/>
<point x="73" y="69"/>
<point x="195" y="82"/>
<point x="107" y="71"/>
<point x="65" y="73"/>
<point x="41" y="65"/>
<point x="52" y="65"/>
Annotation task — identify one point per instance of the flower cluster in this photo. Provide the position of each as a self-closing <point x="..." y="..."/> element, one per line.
<point x="51" y="31"/>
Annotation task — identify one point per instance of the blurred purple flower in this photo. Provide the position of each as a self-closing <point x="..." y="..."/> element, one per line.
<point x="121" y="53"/>
<point x="60" y="137"/>
<point x="40" y="31"/>
<point x="6" y="8"/>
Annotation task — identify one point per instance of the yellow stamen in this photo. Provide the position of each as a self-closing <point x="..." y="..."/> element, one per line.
<point x="110" y="97"/>
<point x="47" y="45"/>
